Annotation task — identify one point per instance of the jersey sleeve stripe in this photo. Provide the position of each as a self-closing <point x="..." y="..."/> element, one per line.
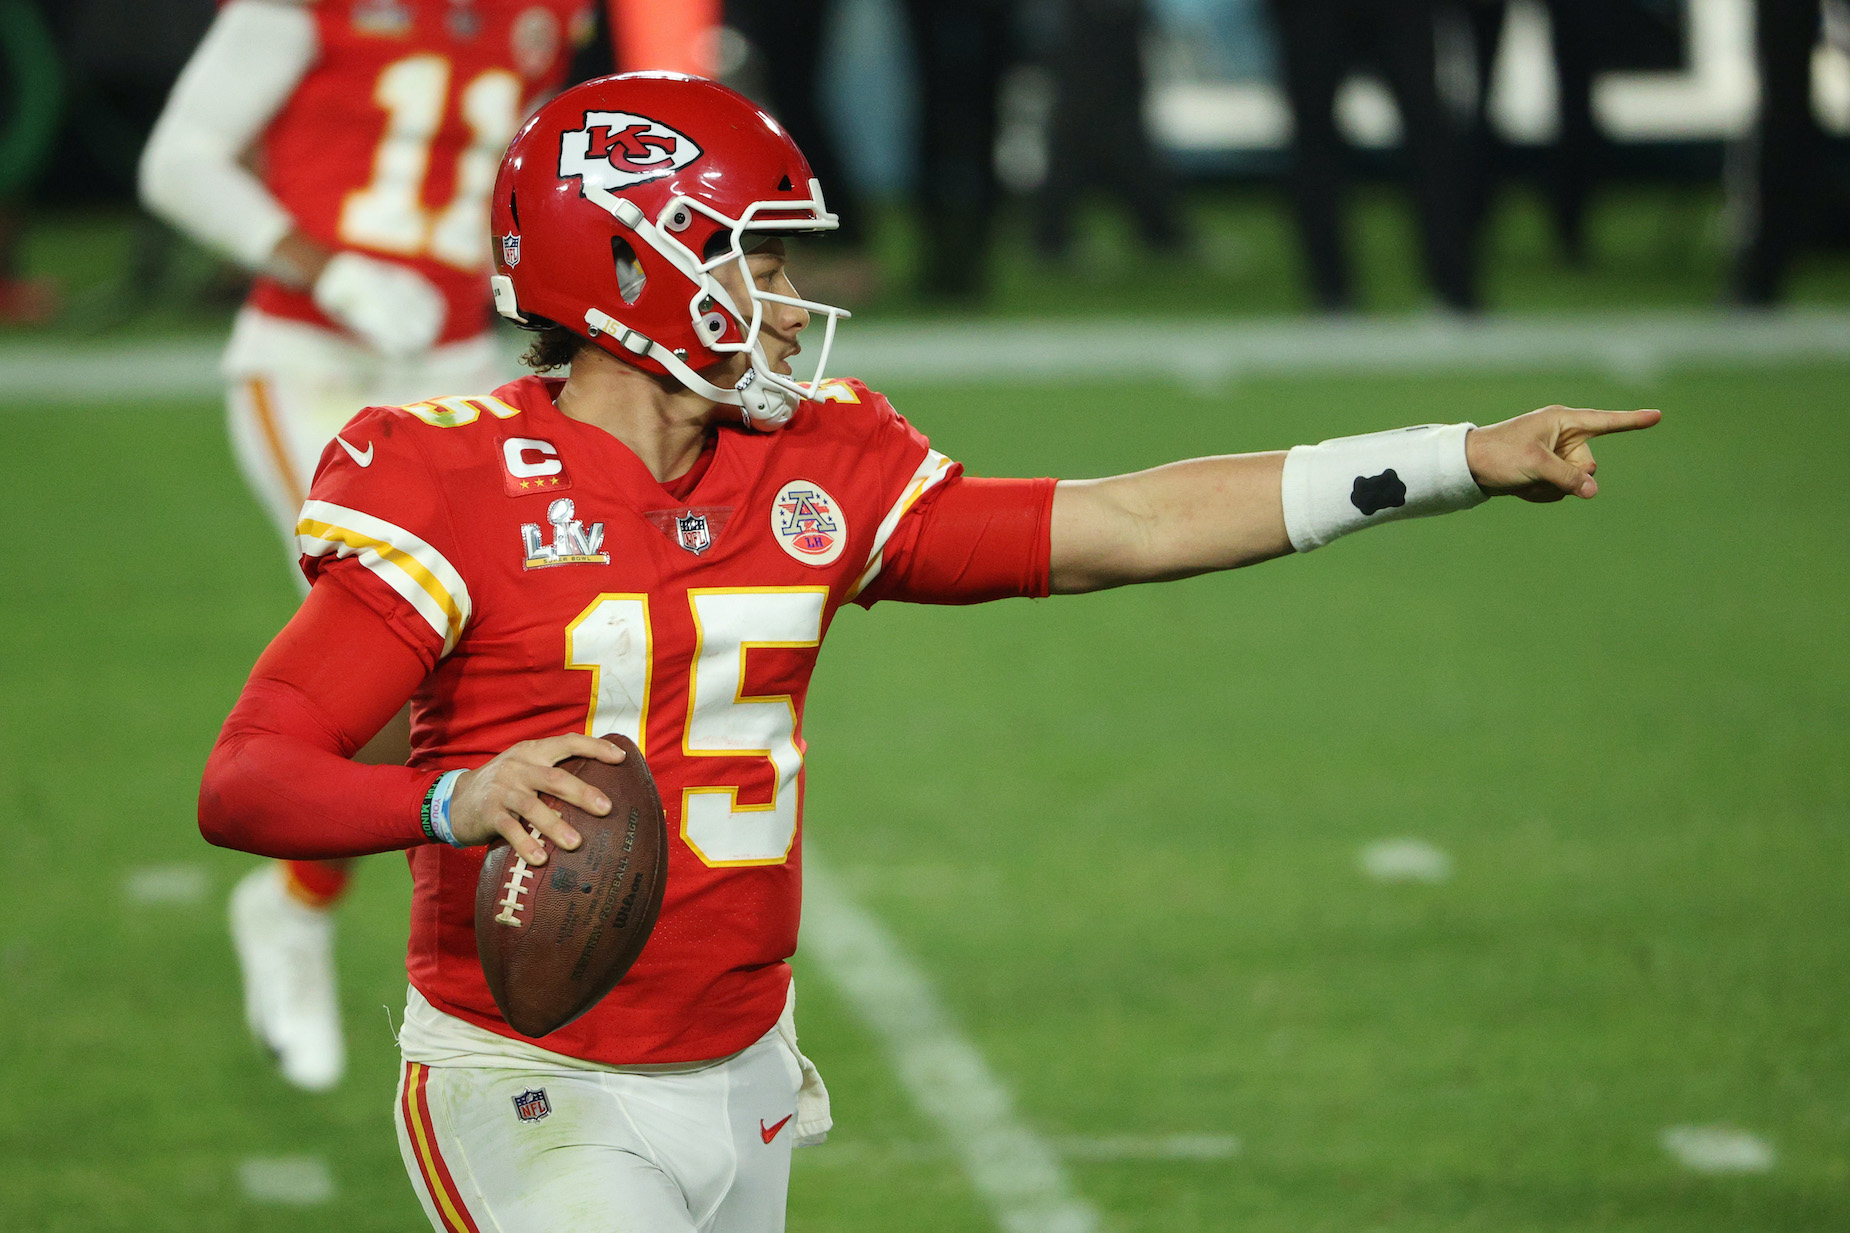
<point x="930" y="474"/>
<point x="402" y="561"/>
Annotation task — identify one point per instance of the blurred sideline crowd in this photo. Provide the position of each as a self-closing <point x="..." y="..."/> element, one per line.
<point x="85" y="80"/>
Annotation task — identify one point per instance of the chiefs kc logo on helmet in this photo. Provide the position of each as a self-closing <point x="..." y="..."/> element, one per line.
<point x="615" y="150"/>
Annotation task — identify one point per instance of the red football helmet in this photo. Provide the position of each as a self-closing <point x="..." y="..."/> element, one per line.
<point x="617" y="201"/>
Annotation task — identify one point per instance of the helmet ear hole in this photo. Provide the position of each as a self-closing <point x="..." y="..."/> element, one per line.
<point x="630" y="277"/>
<point x="717" y="245"/>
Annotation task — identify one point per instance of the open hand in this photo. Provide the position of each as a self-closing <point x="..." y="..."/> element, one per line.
<point x="1543" y="456"/>
<point x="503" y="796"/>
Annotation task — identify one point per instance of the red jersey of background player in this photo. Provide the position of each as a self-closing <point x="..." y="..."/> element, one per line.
<point x="552" y="585"/>
<point x="389" y="145"/>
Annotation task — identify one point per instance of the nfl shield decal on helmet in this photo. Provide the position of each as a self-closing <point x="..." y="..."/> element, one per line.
<point x="510" y="248"/>
<point x="808" y="524"/>
<point x="532" y="1105"/>
<point x="615" y="150"/>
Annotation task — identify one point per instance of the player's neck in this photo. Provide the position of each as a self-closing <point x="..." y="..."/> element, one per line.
<point x="663" y="424"/>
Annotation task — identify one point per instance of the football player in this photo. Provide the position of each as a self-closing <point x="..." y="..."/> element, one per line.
<point x="343" y="151"/>
<point x="656" y="545"/>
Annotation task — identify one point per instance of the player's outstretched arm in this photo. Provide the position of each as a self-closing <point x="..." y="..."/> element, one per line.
<point x="1219" y="513"/>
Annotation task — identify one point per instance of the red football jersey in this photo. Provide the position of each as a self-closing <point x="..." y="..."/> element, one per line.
<point x="390" y="143"/>
<point x="554" y="586"/>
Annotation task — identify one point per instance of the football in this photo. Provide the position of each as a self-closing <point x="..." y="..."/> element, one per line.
<point x="555" y="939"/>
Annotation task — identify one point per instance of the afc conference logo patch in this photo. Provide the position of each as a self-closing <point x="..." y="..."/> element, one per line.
<point x="616" y="150"/>
<point x="808" y="524"/>
<point x="532" y="1105"/>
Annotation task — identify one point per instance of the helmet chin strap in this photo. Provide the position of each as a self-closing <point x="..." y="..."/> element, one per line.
<point x="765" y="406"/>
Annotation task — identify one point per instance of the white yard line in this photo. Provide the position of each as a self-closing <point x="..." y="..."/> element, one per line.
<point x="1017" y="1172"/>
<point x="1633" y="345"/>
<point x="1718" y="1149"/>
<point x="1405" y="860"/>
<point x="165" y="884"/>
<point x="286" y="1181"/>
<point x="1148" y="1147"/>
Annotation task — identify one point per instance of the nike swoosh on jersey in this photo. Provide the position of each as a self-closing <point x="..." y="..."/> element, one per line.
<point x="770" y="1132"/>
<point x="363" y="459"/>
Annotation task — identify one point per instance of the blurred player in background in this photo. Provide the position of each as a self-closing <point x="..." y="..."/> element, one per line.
<point x="343" y="151"/>
<point x="1318" y="43"/>
<point x="709" y="515"/>
<point x="31" y="100"/>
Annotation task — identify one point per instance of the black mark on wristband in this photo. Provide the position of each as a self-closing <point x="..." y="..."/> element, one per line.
<point x="1374" y="493"/>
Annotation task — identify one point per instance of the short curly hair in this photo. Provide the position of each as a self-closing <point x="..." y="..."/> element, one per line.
<point x="553" y="347"/>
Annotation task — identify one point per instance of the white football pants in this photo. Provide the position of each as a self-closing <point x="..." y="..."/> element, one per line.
<point x="292" y="386"/>
<point x="578" y="1151"/>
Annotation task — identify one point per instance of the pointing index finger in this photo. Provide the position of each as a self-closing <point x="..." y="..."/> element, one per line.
<point x="1599" y="423"/>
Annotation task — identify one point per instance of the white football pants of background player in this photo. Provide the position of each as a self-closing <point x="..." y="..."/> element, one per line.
<point x="293" y="385"/>
<point x="502" y="1136"/>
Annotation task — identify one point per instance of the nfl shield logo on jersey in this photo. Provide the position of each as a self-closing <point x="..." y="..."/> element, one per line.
<point x="692" y="532"/>
<point x="510" y="249"/>
<point x="691" y="528"/>
<point x="532" y="1105"/>
<point x="808" y="524"/>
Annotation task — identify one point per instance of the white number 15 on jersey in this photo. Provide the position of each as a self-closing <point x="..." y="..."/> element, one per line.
<point x="611" y="639"/>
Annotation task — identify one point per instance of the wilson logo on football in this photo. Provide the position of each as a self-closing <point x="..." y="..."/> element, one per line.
<point x="616" y="150"/>
<point x="808" y="524"/>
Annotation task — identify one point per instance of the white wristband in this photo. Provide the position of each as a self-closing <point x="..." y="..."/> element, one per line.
<point x="1347" y="483"/>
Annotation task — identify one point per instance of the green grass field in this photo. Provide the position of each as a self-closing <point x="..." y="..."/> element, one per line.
<point x="1120" y="832"/>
